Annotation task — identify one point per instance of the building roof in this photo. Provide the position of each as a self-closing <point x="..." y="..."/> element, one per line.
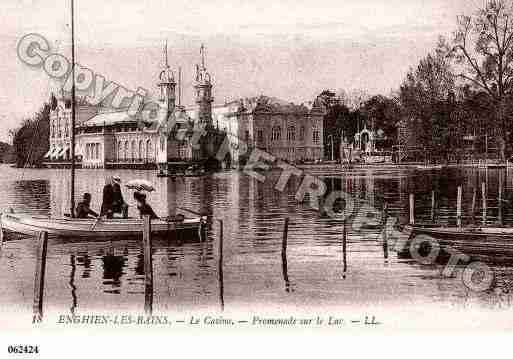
<point x="266" y="104"/>
<point x="109" y="118"/>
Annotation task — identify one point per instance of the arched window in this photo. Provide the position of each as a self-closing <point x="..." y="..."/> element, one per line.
<point x="125" y="152"/>
<point x="315" y="136"/>
<point x="260" y="136"/>
<point x="291" y="133"/>
<point x="140" y="152"/>
<point x="149" y="150"/>
<point x="133" y="150"/>
<point x="302" y="133"/>
<point x="276" y="133"/>
<point x="120" y="150"/>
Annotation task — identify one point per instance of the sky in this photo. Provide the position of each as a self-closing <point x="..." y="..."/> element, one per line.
<point x="290" y="49"/>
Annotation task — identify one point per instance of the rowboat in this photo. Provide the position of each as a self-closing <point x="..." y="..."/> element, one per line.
<point x="91" y="229"/>
<point x="492" y="242"/>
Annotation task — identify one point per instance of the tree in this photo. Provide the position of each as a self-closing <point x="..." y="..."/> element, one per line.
<point x="353" y="99"/>
<point x="382" y="114"/>
<point x="426" y="97"/>
<point x="483" y="49"/>
<point x="337" y="122"/>
<point x="30" y="140"/>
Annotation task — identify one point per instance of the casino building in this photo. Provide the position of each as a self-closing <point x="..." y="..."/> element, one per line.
<point x="112" y="139"/>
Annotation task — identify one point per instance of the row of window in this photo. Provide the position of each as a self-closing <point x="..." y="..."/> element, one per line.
<point x="93" y="151"/>
<point x="141" y="149"/>
<point x="291" y="134"/>
<point x="56" y="129"/>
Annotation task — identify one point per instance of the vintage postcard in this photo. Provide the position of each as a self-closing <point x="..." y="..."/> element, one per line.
<point x="216" y="169"/>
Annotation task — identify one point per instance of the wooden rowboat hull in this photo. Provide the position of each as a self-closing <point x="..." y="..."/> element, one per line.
<point x="491" y="242"/>
<point x="91" y="229"/>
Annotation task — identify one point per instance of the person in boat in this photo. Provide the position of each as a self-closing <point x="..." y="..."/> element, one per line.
<point x="83" y="209"/>
<point x="143" y="207"/>
<point x="113" y="201"/>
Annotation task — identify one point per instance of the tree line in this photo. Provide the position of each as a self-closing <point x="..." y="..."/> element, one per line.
<point x="455" y="103"/>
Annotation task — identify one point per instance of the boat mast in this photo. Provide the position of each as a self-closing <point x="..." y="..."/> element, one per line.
<point x="72" y="150"/>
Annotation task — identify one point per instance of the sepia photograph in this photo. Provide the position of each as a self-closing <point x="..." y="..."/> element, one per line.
<point x="230" y="167"/>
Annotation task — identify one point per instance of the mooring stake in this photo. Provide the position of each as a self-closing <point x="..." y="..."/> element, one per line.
<point x="148" y="266"/>
<point x="384" y="233"/>
<point x="220" y="265"/>
<point x="284" y="264"/>
<point x="458" y="207"/>
<point x="483" y="193"/>
<point x="412" y="208"/>
<point x="39" y="278"/>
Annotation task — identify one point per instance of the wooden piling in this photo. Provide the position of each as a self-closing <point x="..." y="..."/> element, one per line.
<point x="39" y="278"/>
<point x="433" y="206"/>
<point x="483" y="193"/>
<point x="148" y="266"/>
<point x="458" y="206"/>
<point x="500" y="200"/>
<point x="284" y="239"/>
<point x="384" y="232"/>
<point x="412" y="208"/>
<point x="220" y="265"/>
<point x="344" y="246"/>
<point x="1" y="232"/>
<point x="473" y="210"/>
<point x="284" y="264"/>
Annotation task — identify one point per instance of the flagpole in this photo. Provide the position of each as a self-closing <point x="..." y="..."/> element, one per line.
<point x="72" y="150"/>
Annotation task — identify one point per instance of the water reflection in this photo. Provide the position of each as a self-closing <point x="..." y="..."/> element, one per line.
<point x="188" y="274"/>
<point x="113" y="271"/>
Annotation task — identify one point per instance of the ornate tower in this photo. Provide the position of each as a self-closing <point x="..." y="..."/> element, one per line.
<point x="203" y="89"/>
<point x="167" y="84"/>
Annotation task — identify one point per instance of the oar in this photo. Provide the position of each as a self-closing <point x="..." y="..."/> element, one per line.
<point x="194" y="212"/>
<point x="98" y="219"/>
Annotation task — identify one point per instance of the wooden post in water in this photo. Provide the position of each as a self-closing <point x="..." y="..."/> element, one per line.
<point x="458" y="207"/>
<point x="284" y="239"/>
<point x="483" y="193"/>
<point x="148" y="266"/>
<point x="1" y="232"/>
<point x="220" y="265"/>
<point x="284" y="265"/>
<point x="500" y="199"/>
<point x="433" y="206"/>
<point x="474" y="195"/>
<point x="39" y="279"/>
<point x="344" y="246"/>
<point x="412" y="208"/>
<point x="384" y="233"/>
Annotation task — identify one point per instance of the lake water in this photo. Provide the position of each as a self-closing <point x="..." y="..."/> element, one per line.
<point x="109" y="276"/>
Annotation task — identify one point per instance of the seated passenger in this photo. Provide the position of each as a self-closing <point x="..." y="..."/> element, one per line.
<point x="143" y="207"/>
<point x="83" y="209"/>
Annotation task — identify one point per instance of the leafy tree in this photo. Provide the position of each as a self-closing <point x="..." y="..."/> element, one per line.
<point x="483" y="49"/>
<point x="426" y="97"/>
<point x="339" y="122"/>
<point x="30" y="141"/>
<point x="382" y="114"/>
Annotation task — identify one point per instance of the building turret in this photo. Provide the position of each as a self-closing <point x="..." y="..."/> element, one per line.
<point x="167" y="84"/>
<point x="203" y="89"/>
